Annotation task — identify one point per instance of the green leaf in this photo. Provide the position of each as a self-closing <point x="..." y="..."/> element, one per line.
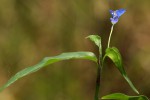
<point x="120" y="96"/>
<point x="47" y="61"/>
<point x="97" y="40"/>
<point x="114" y="55"/>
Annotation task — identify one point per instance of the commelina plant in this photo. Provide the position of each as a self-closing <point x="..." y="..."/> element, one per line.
<point x="110" y="52"/>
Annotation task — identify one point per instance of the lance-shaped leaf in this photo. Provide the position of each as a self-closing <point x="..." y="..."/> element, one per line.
<point x="120" y="96"/>
<point x="114" y="55"/>
<point x="97" y="40"/>
<point x="47" y="61"/>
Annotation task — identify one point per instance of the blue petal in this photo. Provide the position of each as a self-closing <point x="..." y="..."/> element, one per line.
<point x="114" y="20"/>
<point x="111" y="12"/>
<point x="116" y="15"/>
<point x="120" y="12"/>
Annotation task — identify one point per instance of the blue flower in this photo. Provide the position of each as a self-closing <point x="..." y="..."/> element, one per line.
<point x="116" y="15"/>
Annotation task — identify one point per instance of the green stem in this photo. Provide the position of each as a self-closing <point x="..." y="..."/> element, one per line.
<point x="99" y="69"/>
<point x="98" y="81"/>
<point x="112" y="27"/>
<point x="100" y="66"/>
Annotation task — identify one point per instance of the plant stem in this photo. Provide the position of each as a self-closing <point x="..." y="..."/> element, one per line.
<point x="99" y="70"/>
<point x="112" y="27"/>
<point x="98" y="81"/>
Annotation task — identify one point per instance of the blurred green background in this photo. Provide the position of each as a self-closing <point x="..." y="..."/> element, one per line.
<point x="33" y="29"/>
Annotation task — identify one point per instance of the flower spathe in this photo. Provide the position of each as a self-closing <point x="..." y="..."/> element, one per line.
<point x="116" y="15"/>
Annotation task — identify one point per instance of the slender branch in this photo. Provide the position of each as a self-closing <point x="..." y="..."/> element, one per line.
<point x="110" y="35"/>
